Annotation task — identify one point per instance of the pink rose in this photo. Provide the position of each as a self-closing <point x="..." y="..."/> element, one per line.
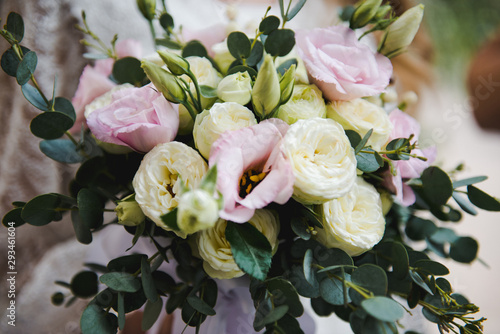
<point x="95" y="81"/>
<point x="139" y="118"/>
<point x="404" y="126"/>
<point x="341" y="66"/>
<point x="251" y="170"/>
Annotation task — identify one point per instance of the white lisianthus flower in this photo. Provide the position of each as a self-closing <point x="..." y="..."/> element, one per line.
<point x="206" y="75"/>
<point x="361" y="116"/>
<point x="215" y="250"/>
<point x="322" y="159"/>
<point x="354" y="223"/>
<point x="222" y="117"/>
<point x="222" y="56"/>
<point x="158" y="179"/>
<point x="197" y="210"/>
<point x="236" y="87"/>
<point x="306" y="102"/>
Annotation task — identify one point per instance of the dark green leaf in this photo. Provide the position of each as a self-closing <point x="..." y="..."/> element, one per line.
<point x="469" y="181"/>
<point x="285" y="294"/>
<point x="280" y="42"/>
<point x="13" y="216"/>
<point x="289" y="325"/>
<point x="432" y="267"/>
<point x="10" y="61"/>
<point x="41" y="210"/>
<point x="95" y="320"/>
<point x="62" y="150"/>
<point x="371" y="277"/>
<point x="166" y="22"/>
<point x="128" y="70"/>
<point x="437" y="186"/>
<point x="332" y="257"/>
<point x="443" y="235"/>
<point x="15" y="26"/>
<point x="363" y="141"/>
<point x="34" y="97"/>
<point x="383" y="308"/>
<point x="64" y="106"/>
<point x="321" y="308"/>
<point x="152" y="311"/>
<point x="128" y="263"/>
<point x="200" y="306"/>
<point x="394" y="145"/>
<point x="120" y="281"/>
<point x="241" y="68"/>
<point x="464" y="250"/>
<point x="168" y="43"/>
<point x="96" y="267"/>
<point x="300" y="227"/>
<point x="194" y="48"/>
<point x="147" y="281"/>
<point x="176" y="299"/>
<point x="163" y="282"/>
<point x="50" y="125"/>
<point x="400" y="261"/>
<point x="239" y="45"/>
<point x="309" y="273"/>
<point x="84" y="284"/>
<point x="82" y="230"/>
<point x="298" y="6"/>
<point x="90" y="208"/>
<point x="420" y="281"/>
<point x="256" y="54"/>
<point x="354" y="138"/>
<point x="332" y="291"/>
<point x="251" y="249"/>
<point x="304" y="288"/>
<point x="57" y="298"/>
<point x="444" y="285"/>
<point x="274" y="315"/>
<point x="121" y="310"/>
<point x="482" y="200"/>
<point x="26" y="68"/>
<point x="418" y="229"/>
<point x="208" y="92"/>
<point x="269" y="24"/>
<point x="170" y="219"/>
<point x="434" y="301"/>
<point x="368" y="162"/>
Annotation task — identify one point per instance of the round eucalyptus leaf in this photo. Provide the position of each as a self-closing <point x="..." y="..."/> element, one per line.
<point x="65" y="106"/>
<point x="95" y="320"/>
<point x="120" y="281"/>
<point x="464" y="250"/>
<point x="332" y="291"/>
<point x="15" y="26"/>
<point x="26" y="68"/>
<point x="418" y="229"/>
<point x="152" y="311"/>
<point x="57" y="298"/>
<point x="287" y="296"/>
<point x="321" y="307"/>
<point x="482" y="200"/>
<point x="280" y="42"/>
<point x="242" y="68"/>
<point x="400" y="259"/>
<point x="128" y="70"/>
<point x="383" y="308"/>
<point x="434" y="268"/>
<point x="34" y="97"/>
<point x="256" y="54"/>
<point x="128" y="263"/>
<point x="41" y="210"/>
<point x="444" y="285"/>
<point x="269" y="24"/>
<point x="13" y="218"/>
<point x="371" y="277"/>
<point x="84" y="284"/>
<point x="10" y="61"/>
<point x="166" y="22"/>
<point x="239" y="45"/>
<point x="194" y="48"/>
<point x="51" y="124"/>
<point x="437" y="186"/>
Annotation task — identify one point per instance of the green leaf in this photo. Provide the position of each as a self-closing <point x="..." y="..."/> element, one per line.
<point x="304" y="288"/>
<point x="400" y="261"/>
<point x="354" y="138"/>
<point x="34" y="97"/>
<point x="383" y="308"/>
<point x="269" y="24"/>
<point x="482" y="200"/>
<point x="464" y="250"/>
<point x="298" y="6"/>
<point x="121" y="310"/>
<point x="363" y="141"/>
<point x="332" y="257"/>
<point x="251" y="250"/>
<point x="62" y="150"/>
<point x="280" y="42"/>
<point x="464" y="203"/>
<point x="128" y="70"/>
<point x="321" y="308"/>
<point x="176" y="299"/>
<point x="170" y="219"/>
<point x="420" y="281"/>
<point x="166" y="22"/>
<point x="437" y="186"/>
<point x="148" y="283"/>
<point x="285" y="294"/>
<point x="13" y="216"/>
<point x="300" y="227"/>
<point x="120" y="281"/>
<point x="194" y="48"/>
<point x="369" y="162"/>
<point x="432" y="267"/>
<point x="307" y="266"/>
<point x="82" y="230"/>
<point x="286" y="65"/>
<point x="332" y="291"/>
<point x="90" y="207"/>
<point x="239" y="45"/>
<point x="10" y="61"/>
<point x="64" y="106"/>
<point x="152" y="311"/>
<point x="371" y="277"/>
<point x="208" y="92"/>
<point x="200" y="306"/>
<point x="395" y="145"/>
<point x="15" y="26"/>
<point x="127" y="263"/>
<point x="274" y="315"/>
<point x="242" y="68"/>
<point x="256" y="54"/>
<point x="418" y="229"/>
<point x="469" y="181"/>
<point x="84" y="284"/>
<point x="50" y="125"/>
<point x="288" y="325"/>
<point x="168" y="43"/>
<point x="443" y="235"/>
<point x="26" y="68"/>
<point x="41" y="210"/>
<point x="57" y="299"/>
<point x="95" y="320"/>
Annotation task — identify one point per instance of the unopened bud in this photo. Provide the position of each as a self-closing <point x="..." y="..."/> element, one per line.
<point x="364" y="13"/>
<point x="236" y="87"/>
<point x="128" y="212"/>
<point x="286" y="85"/>
<point x="266" y="90"/>
<point x="147" y="8"/>
<point x="164" y="81"/>
<point x="197" y="210"/>
<point x="176" y="64"/>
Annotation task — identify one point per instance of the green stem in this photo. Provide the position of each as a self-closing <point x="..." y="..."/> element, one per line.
<point x="153" y="33"/>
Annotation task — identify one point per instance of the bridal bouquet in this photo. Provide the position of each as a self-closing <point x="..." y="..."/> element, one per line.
<point x="282" y="156"/>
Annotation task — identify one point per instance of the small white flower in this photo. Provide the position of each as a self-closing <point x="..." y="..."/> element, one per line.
<point x="236" y="87"/>
<point x="361" y="116"/>
<point x="222" y="117"/>
<point x="354" y="223"/>
<point x="197" y="210"/>
<point x="158" y="179"/>
<point x="215" y="250"/>
<point x="306" y="102"/>
<point x="322" y="159"/>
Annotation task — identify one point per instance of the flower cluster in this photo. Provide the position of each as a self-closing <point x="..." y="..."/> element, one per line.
<point x="252" y="155"/>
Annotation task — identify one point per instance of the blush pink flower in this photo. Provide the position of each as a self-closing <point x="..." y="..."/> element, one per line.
<point x="404" y="127"/>
<point x="341" y="66"/>
<point x="139" y="118"/>
<point x="95" y="81"/>
<point x="251" y="170"/>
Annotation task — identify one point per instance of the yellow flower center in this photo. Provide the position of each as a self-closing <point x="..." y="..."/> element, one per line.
<point x="249" y="180"/>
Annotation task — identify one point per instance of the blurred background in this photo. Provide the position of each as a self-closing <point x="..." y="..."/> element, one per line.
<point x="460" y="33"/>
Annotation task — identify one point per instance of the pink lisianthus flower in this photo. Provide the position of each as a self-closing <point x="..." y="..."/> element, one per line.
<point x="404" y="126"/>
<point x="341" y="66"/>
<point x="95" y="81"/>
<point x="139" y="118"/>
<point x="251" y="170"/>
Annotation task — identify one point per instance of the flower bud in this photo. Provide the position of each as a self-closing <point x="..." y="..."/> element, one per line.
<point x="164" y="81"/>
<point x="364" y="13"/>
<point x="176" y="64"/>
<point x="129" y="212"/>
<point x="147" y="8"/>
<point x="236" y="87"/>
<point x="286" y="85"/>
<point x="266" y="90"/>
<point x="382" y="12"/>
<point x="401" y="32"/>
<point x="197" y="210"/>
<point x="222" y="56"/>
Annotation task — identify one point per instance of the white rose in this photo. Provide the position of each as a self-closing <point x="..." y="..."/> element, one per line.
<point x="215" y="250"/>
<point x="206" y="75"/>
<point x="306" y="102"/>
<point x="222" y="56"/>
<point x="222" y="117"/>
<point x="361" y="116"/>
<point x="197" y="210"/>
<point x="236" y="87"/>
<point x="354" y="223"/>
<point x="323" y="161"/>
<point x="157" y="181"/>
